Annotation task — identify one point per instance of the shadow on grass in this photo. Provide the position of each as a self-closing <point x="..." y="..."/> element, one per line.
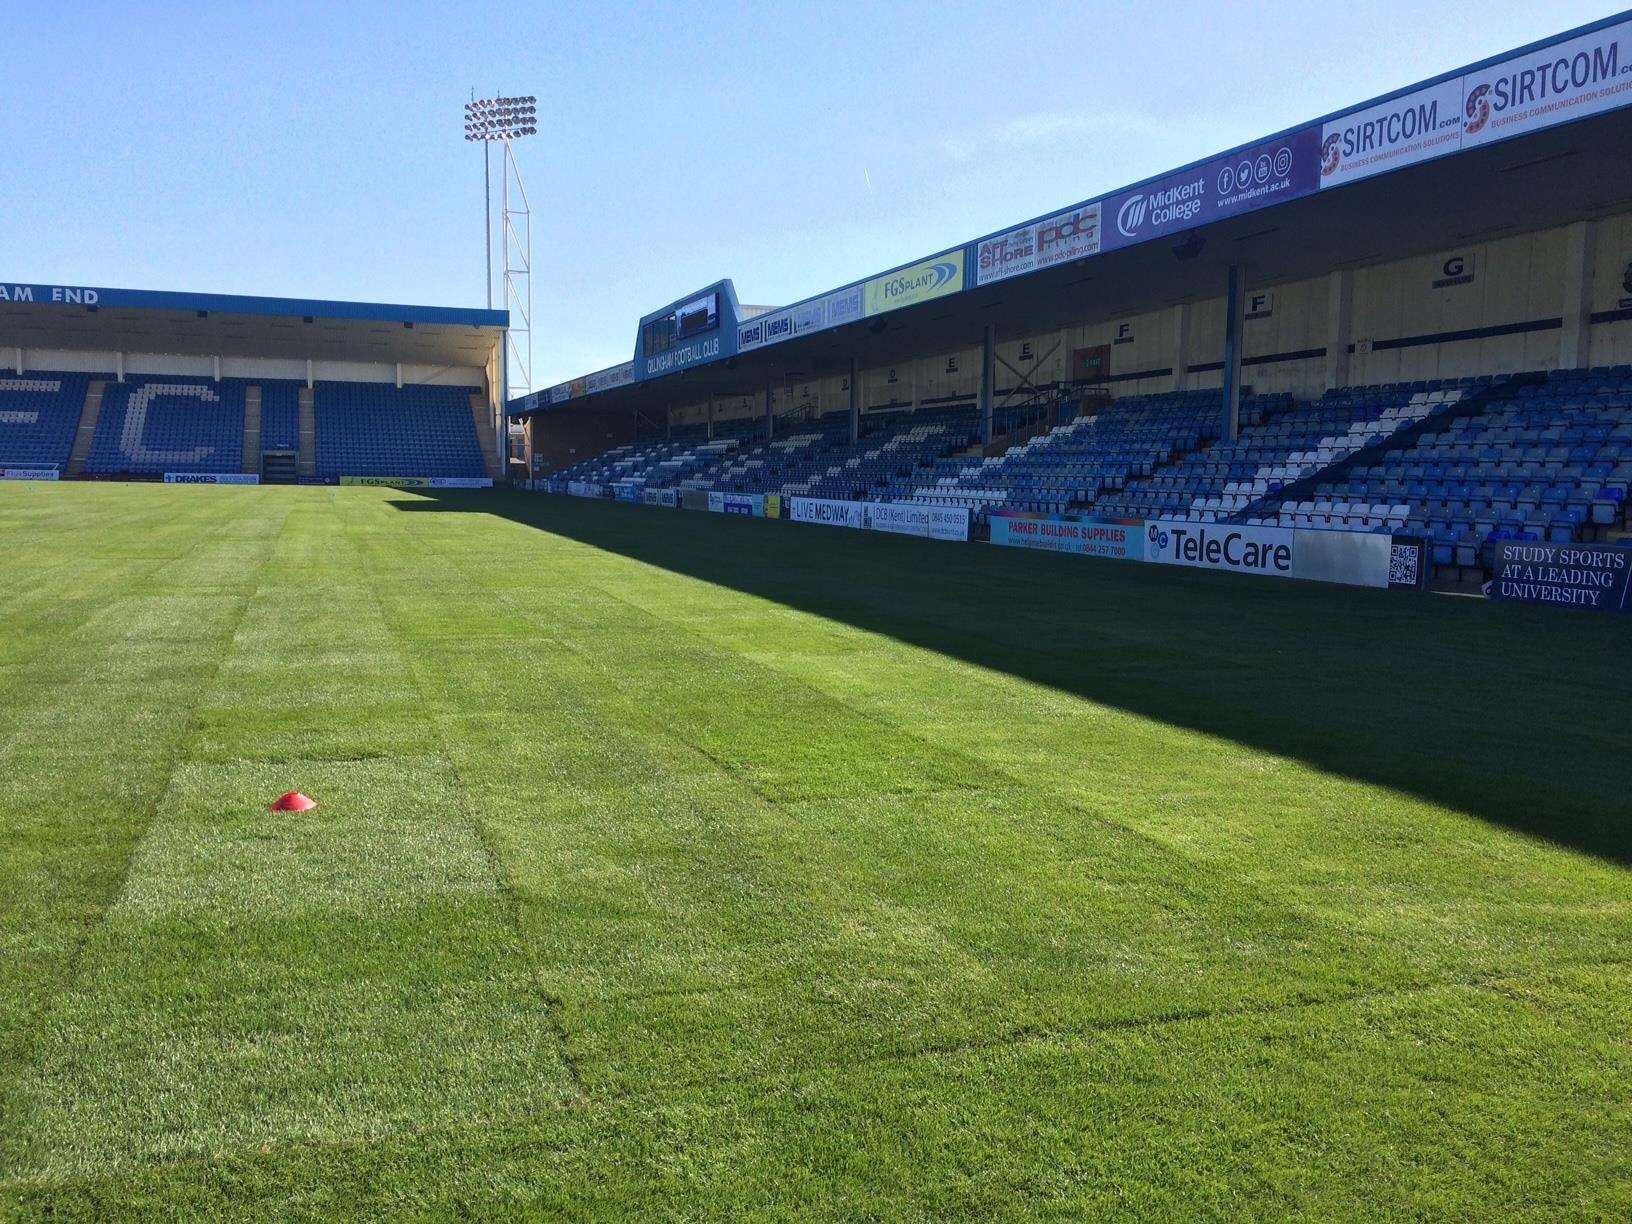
<point x="1520" y="716"/>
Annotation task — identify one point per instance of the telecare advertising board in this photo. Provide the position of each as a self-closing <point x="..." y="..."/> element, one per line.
<point x="1354" y="558"/>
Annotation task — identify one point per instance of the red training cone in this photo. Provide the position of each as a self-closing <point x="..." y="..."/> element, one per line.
<point x="293" y="801"/>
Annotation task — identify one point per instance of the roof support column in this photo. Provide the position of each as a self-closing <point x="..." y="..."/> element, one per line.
<point x="1339" y="327"/>
<point x="770" y="415"/>
<point x="1181" y="346"/>
<point x="1234" y="297"/>
<point x="308" y="373"/>
<point x="18" y="353"/>
<point x="855" y="400"/>
<point x="988" y="354"/>
<point x="218" y="369"/>
<point x="119" y="367"/>
<point x="1580" y="252"/>
<point x="711" y="418"/>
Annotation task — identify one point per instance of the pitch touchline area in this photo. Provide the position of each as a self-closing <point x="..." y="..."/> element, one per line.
<point x="691" y="866"/>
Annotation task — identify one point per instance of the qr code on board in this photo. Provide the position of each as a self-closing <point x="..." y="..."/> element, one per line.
<point x="1404" y="564"/>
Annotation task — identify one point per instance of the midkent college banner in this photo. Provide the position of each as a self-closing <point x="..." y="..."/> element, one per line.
<point x="1577" y="575"/>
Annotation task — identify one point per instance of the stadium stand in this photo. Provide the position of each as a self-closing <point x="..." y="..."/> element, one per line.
<point x="1073" y="463"/>
<point x="375" y="429"/>
<point x="39" y="412"/>
<point x="812" y="457"/>
<point x="1465" y="461"/>
<point x="1544" y="458"/>
<point x="153" y="424"/>
<point x="895" y="447"/>
<point x="280" y="415"/>
<point x="1287" y="445"/>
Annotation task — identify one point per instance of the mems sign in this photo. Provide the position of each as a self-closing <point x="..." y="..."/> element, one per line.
<point x="61" y="295"/>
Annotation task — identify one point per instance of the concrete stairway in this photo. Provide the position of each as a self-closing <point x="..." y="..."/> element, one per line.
<point x="482" y="414"/>
<point x="87" y="428"/>
<point x="252" y="428"/>
<point x="306" y="461"/>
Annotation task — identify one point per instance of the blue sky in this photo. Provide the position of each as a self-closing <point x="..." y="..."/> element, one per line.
<point x="315" y="149"/>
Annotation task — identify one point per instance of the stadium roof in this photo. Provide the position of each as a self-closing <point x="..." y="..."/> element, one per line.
<point x="228" y="325"/>
<point x="1528" y="139"/>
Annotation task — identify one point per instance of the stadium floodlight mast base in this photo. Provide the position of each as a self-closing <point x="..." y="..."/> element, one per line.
<point x="505" y="120"/>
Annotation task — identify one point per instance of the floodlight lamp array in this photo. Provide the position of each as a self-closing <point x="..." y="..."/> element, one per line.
<point x="501" y="118"/>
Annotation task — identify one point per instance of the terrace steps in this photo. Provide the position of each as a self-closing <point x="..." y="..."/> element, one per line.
<point x="306" y="459"/>
<point x="252" y="428"/>
<point x="87" y="427"/>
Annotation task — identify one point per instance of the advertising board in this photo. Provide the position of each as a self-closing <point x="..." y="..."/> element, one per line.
<point x="1566" y="575"/>
<point x="822" y="510"/>
<point x="1565" y="81"/>
<point x="386" y="482"/>
<point x="232" y="478"/>
<point x="1253" y="178"/>
<point x="904" y="518"/>
<point x="1354" y="558"/>
<point x="922" y="282"/>
<point x="1123" y="539"/>
<point x="1073" y="234"/>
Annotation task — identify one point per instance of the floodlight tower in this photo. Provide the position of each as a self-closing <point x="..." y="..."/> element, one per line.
<point x="503" y="120"/>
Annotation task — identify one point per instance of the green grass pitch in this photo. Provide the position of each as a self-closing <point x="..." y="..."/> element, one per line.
<point x="680" y="866"/>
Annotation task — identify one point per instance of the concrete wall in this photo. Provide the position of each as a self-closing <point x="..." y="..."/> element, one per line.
<point x="563" y="438"/>
<point x="93" y="362"/>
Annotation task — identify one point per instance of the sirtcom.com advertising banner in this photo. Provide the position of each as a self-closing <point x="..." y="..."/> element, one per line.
<point x="1566" y="81"/>
<point x="1393" y="134"/>
<point x="1269" y="173"/>
<point x="1121" y="539"/>
<point x="1524" y="93"/>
